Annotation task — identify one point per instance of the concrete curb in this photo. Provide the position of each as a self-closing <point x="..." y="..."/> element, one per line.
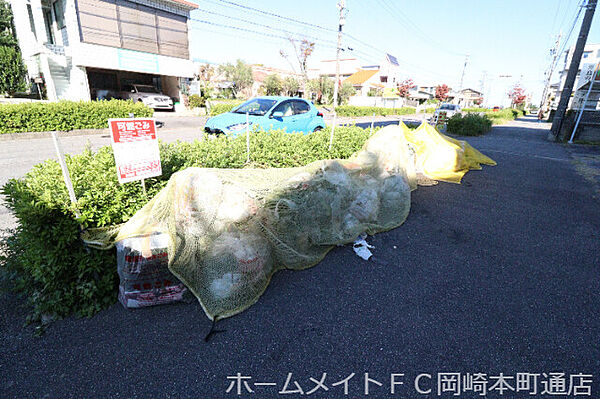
<point x="45" y="135"/>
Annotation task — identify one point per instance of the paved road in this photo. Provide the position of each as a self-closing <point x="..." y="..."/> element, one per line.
<point x="497" y="275"/>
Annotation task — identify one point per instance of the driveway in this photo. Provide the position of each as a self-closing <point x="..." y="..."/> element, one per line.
<point x="499" y="275"/>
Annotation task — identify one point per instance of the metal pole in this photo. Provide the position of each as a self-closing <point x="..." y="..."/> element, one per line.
<point x="143" y="182"/>
<point x="565" y="95"/>
<point x="587" y="95"/>
<point x="551" y="70"/>
<point x="65" y="172"/>
<point x="336" y="88"/>
<point x="463" y="72"/>
<point x="332" y="130"/>
<point x="372" y="123"/>
<point x="247" y="138"/>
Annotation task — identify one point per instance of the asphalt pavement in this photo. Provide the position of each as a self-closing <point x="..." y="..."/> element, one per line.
<point x="499" y="275"/>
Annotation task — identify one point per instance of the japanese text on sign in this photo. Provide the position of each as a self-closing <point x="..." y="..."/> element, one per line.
<point x="136" y="148"/>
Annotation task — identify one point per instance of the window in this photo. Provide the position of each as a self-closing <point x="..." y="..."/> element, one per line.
<point x="31" y="23"/>
<point x="48" y="25"/>
<point x="59" y="13"/>
<point x="383" y="79"/>
<point x="300" y="107"/>
<point x="258" y="106"/>
<point x="285" y="107"/>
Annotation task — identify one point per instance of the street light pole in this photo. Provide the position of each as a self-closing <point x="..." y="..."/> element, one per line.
<point x="565" y="95"/>
<point x="336" y="89"/>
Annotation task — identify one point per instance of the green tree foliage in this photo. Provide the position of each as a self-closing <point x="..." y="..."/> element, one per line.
<point x="239" y="74"/>
<point x="7" y="28"/>
<point x="322" y="90"/>
<point x="272" y="85"/>
<point x="290" y="86"/>
<point x="12" y="71"/>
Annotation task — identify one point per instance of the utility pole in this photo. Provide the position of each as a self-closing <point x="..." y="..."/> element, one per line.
<point x="565" y="95"/>
<point x="462" y="77"/>
<point x="555" y="54"/>
<point x="336" y="88"/>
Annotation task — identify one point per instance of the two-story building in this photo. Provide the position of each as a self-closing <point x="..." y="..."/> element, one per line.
<point x="88" y="49"/>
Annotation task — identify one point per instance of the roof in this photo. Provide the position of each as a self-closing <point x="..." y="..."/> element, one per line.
<point x="184" y="3"/>
<point x="361" y="76"/>
<point x="393" y="60"/>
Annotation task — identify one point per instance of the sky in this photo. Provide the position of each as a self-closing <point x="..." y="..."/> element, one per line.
<point x="507" y="41"/>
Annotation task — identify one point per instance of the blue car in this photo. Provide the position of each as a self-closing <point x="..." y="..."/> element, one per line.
<point x="268" y="113"/>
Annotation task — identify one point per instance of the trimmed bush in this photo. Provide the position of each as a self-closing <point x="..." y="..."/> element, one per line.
<point x="351" y="110"/>
<point x="469" y="124"/>
<point x="66" y="115"/>
<point x="196" y="101"/>
<point x="221" y="108"/>
<point x="47" y="261"/>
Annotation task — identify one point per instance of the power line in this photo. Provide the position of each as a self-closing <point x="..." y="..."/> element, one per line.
<point x="276" y="15"/>
<point x="266" y="26"/>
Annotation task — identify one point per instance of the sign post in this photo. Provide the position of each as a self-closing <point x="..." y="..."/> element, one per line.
<point x="135" y="146"/>
<point x="589" y="73"/>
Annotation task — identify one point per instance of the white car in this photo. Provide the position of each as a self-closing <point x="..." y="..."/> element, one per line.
<point x="147" y="94"/>
<point x="449" y="109"/>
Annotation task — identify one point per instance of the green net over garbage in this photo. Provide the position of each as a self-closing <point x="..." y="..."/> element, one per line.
<point x="230" y="230"/>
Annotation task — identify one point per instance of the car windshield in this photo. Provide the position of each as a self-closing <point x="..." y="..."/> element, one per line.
<point x="257" y="106"/>
<point x="146" y="89"/>
<point x="448" y="107"/>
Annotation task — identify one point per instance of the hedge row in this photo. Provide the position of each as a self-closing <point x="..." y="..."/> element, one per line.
<point x="351" y="110"/>
<point x="469" y="124"/>
<point x="45" y="257"/>
<point x="66" y="115"/>
<point x="221" y="108"/>
<point x="497" y="117"/>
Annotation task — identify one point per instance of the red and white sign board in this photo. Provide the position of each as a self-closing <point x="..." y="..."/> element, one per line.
<point x="136" y="148"/>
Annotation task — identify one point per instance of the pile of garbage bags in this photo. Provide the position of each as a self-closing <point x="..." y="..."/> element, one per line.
<point x="229" y="230"/>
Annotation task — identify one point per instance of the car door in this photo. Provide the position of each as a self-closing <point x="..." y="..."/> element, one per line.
<point x="302" y="115"/>
<point x="287" y="121"/>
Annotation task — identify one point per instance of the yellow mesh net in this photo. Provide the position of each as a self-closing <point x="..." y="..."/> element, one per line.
<point x="229" y="230"/>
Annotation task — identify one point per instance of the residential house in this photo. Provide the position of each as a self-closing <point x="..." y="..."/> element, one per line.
<point x="260" y="72"/>
<point x="366" y="82"/>
<point x="88" y="49"/>
<point x="467" y="98"/>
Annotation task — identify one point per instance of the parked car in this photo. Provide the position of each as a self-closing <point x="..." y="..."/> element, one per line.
<point x="147" y="94"/>
<point x="496" y="109"/>
<point x="449" y="109"/>
<point x="268" y="113"/>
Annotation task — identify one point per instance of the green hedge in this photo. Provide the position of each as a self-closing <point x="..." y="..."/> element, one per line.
<point x="351" y="110"/>
<point x="45" y="257"/>
<point x="469" y="124"/>
<point x="221" y="108"/>
<point x="497" y="117"/>
<point x="66" y="115"/>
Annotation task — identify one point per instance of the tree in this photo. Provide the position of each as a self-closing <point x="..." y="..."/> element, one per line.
<point x="239" y="74"/>
<point x="290" y="86"/>
<point x="302" y="51"/>
<point x="12" y="69"/>
<point x="441" y="92"/>
<point x="272" y="85"/>
<point x="7" y="26"/>
<point x="405" y="87"/>
<point x="517" y="96"/>
<point x="322" y="90"/>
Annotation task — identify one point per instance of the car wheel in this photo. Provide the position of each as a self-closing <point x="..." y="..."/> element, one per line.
<point x="317" y="129"/>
